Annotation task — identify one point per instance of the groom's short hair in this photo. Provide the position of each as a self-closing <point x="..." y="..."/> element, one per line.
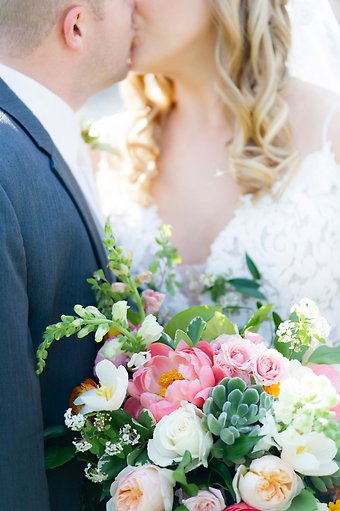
<point x="24" y="24"/>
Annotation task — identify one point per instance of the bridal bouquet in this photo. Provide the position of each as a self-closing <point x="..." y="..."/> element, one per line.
<point x="200" y="414"/>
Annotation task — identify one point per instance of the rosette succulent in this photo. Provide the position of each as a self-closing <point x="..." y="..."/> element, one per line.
<point x="235" y="409"/>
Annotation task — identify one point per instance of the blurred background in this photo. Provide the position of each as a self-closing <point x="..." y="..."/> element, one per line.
<point x="109" y="102"/>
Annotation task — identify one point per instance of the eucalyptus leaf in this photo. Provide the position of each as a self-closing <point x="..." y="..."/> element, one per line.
<point x="260" y="316"/>
<point x="325" y="355"/>
<point x="182" y="319"/>
<point x="219" y="324"/>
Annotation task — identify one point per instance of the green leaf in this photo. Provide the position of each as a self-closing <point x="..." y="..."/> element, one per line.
<point x="181" y="508"/>
<point x="182" y="336"/>
<point x="240" y="283"/>
<point x="56" y="432"/>
<point x="146" y="419"/>
<point x="112" y="465"/>
<point x="219" y="324"/>
<point x="240" y="448"/>
<point x="252" y="268"/>
<point x="303" y="502"/>
<point x="261" y="315"/>
<point x="222" y="470"/>
<point x="56" y="456"/>
<point x="195" y="329"/>
<point x="325" y="355"/>
<point x="181" y="320"/>
<point x="133" y="456"/>
<point x="277" y="320"/>
<point x="179" y="474"/>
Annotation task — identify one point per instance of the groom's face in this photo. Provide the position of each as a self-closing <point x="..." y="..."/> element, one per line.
<point x="113" y="39"/>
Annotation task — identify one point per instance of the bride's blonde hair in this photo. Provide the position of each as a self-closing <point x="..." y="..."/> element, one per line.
<point x="253" y="42"/>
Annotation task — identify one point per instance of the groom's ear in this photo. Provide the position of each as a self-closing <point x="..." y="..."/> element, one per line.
<point x="73" y="27"/>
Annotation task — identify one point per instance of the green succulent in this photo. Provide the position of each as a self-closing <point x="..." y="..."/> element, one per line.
<point x="235" y="409"/>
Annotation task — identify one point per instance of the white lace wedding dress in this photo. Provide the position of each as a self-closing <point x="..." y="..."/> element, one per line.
<point x="294" y="239"/>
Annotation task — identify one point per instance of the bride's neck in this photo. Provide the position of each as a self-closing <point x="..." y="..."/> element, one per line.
<point x="198" y="101"/>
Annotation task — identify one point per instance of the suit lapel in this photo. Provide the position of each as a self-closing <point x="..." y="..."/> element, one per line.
<point x="16" y="109"/>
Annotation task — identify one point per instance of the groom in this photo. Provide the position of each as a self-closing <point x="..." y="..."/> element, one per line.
<point x="54" y="54"/>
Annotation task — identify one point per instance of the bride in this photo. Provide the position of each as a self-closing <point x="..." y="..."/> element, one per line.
<point x="227" y="147"/>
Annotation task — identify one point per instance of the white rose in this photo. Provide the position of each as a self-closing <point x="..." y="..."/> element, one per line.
<point x="182" y="430"/>
<point x="119" y="311"/>
<point x="269" y="484"/>
<point x="150" y="330"/>
<point x="310" y="454"/>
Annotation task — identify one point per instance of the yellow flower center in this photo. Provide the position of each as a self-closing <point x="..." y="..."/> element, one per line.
<point x="334" y="506"/>
<point x="272" y="390"/>
<point x="276" y="485"/>
<point x="166" y="379"/>
<point x="105" y="391"/>
<point x="300" y="449"/>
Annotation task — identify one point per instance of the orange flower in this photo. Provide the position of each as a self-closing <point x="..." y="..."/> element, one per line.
<point x="272" y="390"/>
<point x="88" y="384"/>
<point x="334" y="506"/>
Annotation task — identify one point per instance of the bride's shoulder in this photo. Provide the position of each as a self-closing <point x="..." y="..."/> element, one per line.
<point x="314" y="116"/>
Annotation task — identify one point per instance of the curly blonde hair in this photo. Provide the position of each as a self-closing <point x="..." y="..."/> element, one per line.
<point x="253" y="42"/>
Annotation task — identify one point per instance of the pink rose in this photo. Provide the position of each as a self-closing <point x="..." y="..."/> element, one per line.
<point x="238" y="353"/>
<point x="240" y="507"/>
<point x="152" y="301"/>
<point x="270" y="367"/>
<point x="172" y="376"/>
<point x="206" y="500"/>
<point x="255" y="338"/>
<point x="334" y="377"/>
<point x="142" y="488"/>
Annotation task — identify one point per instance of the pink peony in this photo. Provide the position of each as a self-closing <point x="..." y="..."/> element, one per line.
<point x="206" y="500"/>
<point x="334" y="377"/>
<point x="172" y="376"/>
<point x="152" y="301"/>
<point x="270" y="367"/>
<point x="240" y="507"/>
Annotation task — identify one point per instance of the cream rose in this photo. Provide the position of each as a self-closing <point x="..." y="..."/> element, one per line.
<point x="145" y="488"/>
<point x="182" y="430"/>
<point x="269" y="484"/>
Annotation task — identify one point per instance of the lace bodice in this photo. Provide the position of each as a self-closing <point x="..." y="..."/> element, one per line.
<point x="294" y="238"/>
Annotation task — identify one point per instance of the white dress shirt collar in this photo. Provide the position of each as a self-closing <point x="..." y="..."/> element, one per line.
<point x="55" y="115"/>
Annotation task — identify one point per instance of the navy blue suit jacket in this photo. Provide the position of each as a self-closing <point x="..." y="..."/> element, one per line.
<point x="49" y="245"/>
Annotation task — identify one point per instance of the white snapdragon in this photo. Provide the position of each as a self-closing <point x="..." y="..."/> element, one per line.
<point x="74" y="422"/>
<point x="151" y="330"/>
<point x="119" y="311"/>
